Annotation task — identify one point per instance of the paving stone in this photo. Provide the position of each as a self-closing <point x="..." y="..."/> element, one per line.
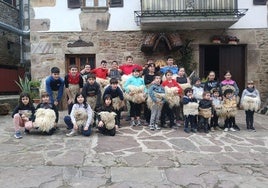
<point x="183" y="144"/>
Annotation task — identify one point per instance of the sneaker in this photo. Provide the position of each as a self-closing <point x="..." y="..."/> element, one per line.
<point x="253" y="129"/>
<point x="152" y="127"/>
<point x="212" y="129"/>
<point x="217" y="128"/>
<point x="138" y="123"/>
<point x="187" y="130"/>
<point x="174" y="126"/>
<point x="232" y="129"/>
<point x="17" y="135"/>
<point x="236" y="127"/>
<point x="194" y="130"/>
<point x="226" y="130"/>
<point x="72" y="133"/>
<point x="132" y="123"/>
<point x="163" y="125"/>
<point x="157" y="127"/>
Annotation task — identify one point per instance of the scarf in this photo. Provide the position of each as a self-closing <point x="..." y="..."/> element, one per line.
<point x="73" y="79"/>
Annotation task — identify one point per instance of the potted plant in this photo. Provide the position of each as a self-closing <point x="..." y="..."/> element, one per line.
<point x="31" y="87"/>
<point x="232" y="40"/>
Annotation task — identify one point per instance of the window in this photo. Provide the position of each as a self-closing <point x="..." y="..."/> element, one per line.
<point x="74" y="4"/>
<point x="95" y="3"/>
<point x="116" y="3"/>
<point x="80" y="60"/>
<point x="11" y="2"/>
<point x="259" y="2"/>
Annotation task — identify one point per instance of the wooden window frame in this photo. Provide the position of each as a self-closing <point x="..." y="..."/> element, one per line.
<point x="116" y="3"/>
<point x="78" y="62"/>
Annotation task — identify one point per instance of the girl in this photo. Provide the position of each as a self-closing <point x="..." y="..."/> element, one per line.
<point x="211" y="83"/>
<point x="107" y="107"/>
<point x="135" y="93"/>
<point x="205" y="111"/>
<point x="251" y="102"/>
<point x="80" y="117"/>
<point x="115" y="72"/>
<point x="182" y="79"/>
<point x="228" y="83"/>
<point x="23" y="114"/>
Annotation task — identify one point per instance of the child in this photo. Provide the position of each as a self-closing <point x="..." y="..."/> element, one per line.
<point x="229" y="110"/>
<point x="205" y="111"/>
<point x="84" y="72"/>
<point x="129" y="66"/>
<point x="167" y="109"/>
<point x="80" y="117"/>
<point x="211" y="83"/>
<point x="101" y="72"/>
<point x="45" y="104"/>
<point x="92" y="92"/>
<point x="107" y="122"/>
<point x="114" y="72"/>
<point x="190" y="110"/>
<point x="148" y="79"/>
<point x="228" y="83"/>
<point x="23" y="114"/>
<point x="251" y="102"/>
<point x="55" y="86"/>
<point x="197" y="89"/>
<point x="156" y="94"/>
<point x="136" y="91"/>
<point x="216" y="103"/>
<point x="73" y="83"/>
<point x="117" y="97"/>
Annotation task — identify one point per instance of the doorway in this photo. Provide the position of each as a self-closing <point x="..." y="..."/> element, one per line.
<point x="220" y="58"/>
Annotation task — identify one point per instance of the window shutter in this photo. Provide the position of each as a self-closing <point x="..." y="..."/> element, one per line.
<point x="73" y="3"/>
<point x="116" y="3"/>
<point x="259" y="2"/>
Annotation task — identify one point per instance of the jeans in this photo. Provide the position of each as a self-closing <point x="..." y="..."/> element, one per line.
<point x="70" y="125"/>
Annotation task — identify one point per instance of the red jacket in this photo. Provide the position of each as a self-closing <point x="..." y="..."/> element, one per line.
<point x="127" y="68"/>
<point x="172" y="83"/>
<point x="100" y="72"/>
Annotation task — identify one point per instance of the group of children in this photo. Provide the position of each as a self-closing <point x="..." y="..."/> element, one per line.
<point x="160" y="92"/>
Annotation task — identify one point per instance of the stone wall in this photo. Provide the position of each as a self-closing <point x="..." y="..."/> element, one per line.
<point x="49" y="49"/>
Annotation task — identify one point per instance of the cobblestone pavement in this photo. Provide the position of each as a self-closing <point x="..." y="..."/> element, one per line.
<point x="136" y="157"/>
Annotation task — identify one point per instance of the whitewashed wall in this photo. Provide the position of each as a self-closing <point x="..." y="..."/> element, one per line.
<point x="122" y="19"/>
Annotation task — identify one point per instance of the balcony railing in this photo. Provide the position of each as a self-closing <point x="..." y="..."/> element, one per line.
<point x="190" y="9"/>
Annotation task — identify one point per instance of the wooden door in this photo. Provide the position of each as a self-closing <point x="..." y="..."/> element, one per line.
<point x="220" y="58"/>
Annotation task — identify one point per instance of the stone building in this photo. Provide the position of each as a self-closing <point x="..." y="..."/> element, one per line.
<point x="14" y="42"/>
<point x="65" y="32"/>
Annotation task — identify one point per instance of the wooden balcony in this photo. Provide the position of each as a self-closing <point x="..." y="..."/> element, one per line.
<point x="188" y="14"/>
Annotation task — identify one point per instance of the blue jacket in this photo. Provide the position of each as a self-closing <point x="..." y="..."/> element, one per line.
<point x="155" y="88"/>
<point x="54" y="85"/>
<point x="134" y="81"/>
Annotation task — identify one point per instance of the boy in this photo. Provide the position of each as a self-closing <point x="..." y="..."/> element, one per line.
<point x="170" y="66"/>
<point x="116" y="93"/>
<point x="55" y="86"/>
<point x="92" y="92"/>
<point x="73" y="83"/>
<point x="190" y="110"/>
<point x="166" y="110"/>
<point x="197" y="89"/>
<point x="129" y="66"/>
<point x="102" y="71"/>
<point x="216" y="103"/>
<point x="114" y="72"/>
<point x="205" y="111"/>
<point x="156" y="94"/>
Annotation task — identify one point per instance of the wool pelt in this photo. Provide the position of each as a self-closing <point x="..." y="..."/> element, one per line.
<point x="108" y="119"/>
<point x="225" y="87"/>
<point x="251" y="103"/>
<point x="92" y="101"/>
<point x="117" y="103"/>
<point x="184" y="86"/>
<point x="229" y="108"/>
<point x="138" y="94"/>
<point x="172" y="96"/>
<point x="150" y="102"/>
<point x="190" y="109"/>
<point x="80" y="116"/>
<point x="205" y="112"/>
<point x="45" y="119"/>
<point x="74" y="89"/>
<point x="218" y="109"/>
<point x="124" y="79"/>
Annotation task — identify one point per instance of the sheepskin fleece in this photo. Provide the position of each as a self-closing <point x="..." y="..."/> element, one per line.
<point x="45" y="119"/>
<point x="218" y="109"/>
<point x="227" y="87"/>
<point x="124" y="79"/>
<point x="205" y="112"/>
<point x="172" y="96"/>
<point x="190" y="109"/>
<point x="108" y="118"/>
<point x="139" y="95"/>
<point x="92" y="101"/>
<point x="80" y="116"/>
<point x="251" y="103"/>
<point x="117" y="103"/>
<point x="229" y="108"/>
<point x="74" y="89"/>
<point x="184" y="86"/>
<point x="150" y="102"/>
<point x="103" y="82"/>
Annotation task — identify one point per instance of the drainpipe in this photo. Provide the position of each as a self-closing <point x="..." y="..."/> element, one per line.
<point x="13" y="29"/>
